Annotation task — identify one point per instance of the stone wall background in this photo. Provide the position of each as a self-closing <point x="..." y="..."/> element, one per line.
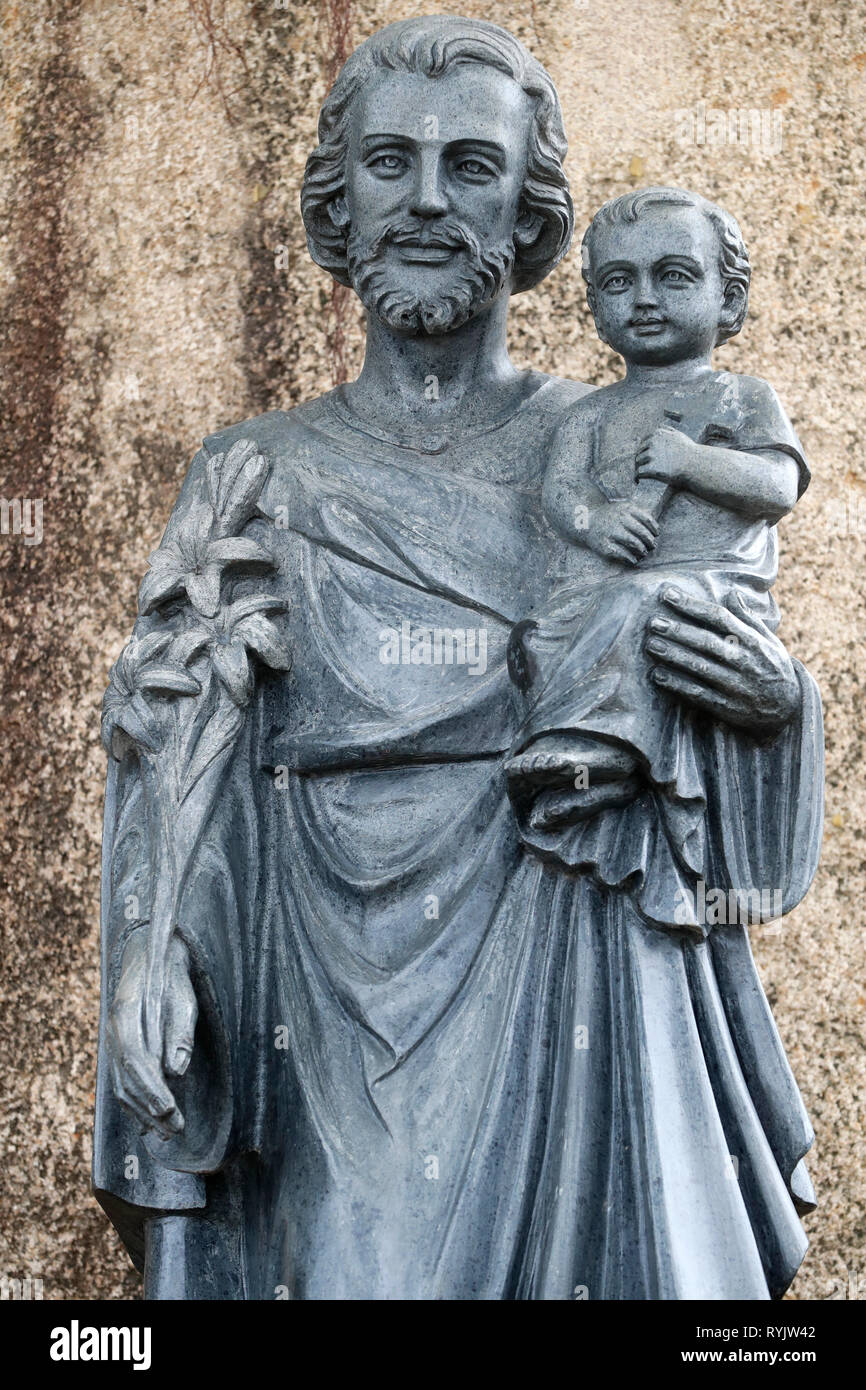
<point x="155" y="286"/>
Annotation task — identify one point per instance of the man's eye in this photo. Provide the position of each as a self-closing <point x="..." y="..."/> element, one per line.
<point x="473" y="168"/>
<point x="387" y="163"/>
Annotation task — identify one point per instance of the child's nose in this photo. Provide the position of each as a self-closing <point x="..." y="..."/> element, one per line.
<point x="645" y="292"/>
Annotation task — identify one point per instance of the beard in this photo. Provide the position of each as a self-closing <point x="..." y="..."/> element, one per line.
<point x="482" y="276"/>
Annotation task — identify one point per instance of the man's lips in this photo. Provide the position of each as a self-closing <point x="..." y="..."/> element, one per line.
<point x="431" y="250"/>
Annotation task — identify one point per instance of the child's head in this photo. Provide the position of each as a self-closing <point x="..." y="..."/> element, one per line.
<point x="667" y="275"/>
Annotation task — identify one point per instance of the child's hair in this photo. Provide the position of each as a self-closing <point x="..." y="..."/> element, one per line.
<point x="733" y="254"/>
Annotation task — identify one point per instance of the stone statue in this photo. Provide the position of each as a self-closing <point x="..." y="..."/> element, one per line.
<point x="452" y="753"/>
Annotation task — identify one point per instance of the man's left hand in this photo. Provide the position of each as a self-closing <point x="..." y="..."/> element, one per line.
<point x="721" y="659"/>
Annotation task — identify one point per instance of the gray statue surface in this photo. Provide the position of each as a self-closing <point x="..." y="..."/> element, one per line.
<point x="452" y="752"/>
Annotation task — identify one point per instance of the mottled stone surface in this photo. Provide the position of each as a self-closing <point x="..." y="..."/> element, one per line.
<point x="156" y="285"/>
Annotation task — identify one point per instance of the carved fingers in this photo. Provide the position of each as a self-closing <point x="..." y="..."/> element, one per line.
<point x="722" y="659"/>
<point x="541" y="767"/>
<point x="575" y="757"/>
<point x="181" y="1011"/>
<point x="664" y="454"/>
<point x="554" y="809"/>
<point x="137" y="1075"/>
<point x="623" y="531"/>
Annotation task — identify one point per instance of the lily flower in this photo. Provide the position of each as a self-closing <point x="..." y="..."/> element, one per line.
<point x="205" y="542"/>
<point x="236" y="631"/>
<point x="234" y="482"/>
<point x="193" y="563"/>
<point x="142" y="666"/>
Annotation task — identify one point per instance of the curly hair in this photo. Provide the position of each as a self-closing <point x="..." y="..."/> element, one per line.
<point x="733" y="254"/>
<point x="432" y="46"/>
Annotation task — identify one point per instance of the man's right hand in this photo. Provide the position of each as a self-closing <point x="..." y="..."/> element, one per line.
<point x="621" y="530"/>
<point x="138" y="1076"/>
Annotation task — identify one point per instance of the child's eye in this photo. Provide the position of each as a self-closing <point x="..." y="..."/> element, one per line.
<point x="616" y="283"/>
<point x="676" y="275"/>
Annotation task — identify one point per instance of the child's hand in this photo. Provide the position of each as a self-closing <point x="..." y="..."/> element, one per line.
<point x="621" y="531"/>
<point x="670" y="456"/>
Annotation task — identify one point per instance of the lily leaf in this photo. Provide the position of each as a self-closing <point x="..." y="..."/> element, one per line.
<point x="218" y="735"/>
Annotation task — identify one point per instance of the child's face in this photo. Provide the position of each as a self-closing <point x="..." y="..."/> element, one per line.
<point x="659" y="296"/>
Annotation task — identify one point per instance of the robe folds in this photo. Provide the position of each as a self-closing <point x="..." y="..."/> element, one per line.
<point x="436" y="1058"/>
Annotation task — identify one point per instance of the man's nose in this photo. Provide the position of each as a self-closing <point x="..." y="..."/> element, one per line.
<point x="428" y="197"/>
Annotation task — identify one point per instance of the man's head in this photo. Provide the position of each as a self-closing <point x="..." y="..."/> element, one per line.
<point x="667" y="275"/>
<point x="438" y="180"/>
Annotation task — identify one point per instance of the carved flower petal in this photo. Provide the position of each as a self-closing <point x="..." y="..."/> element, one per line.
<point x="146" y="648"/>
<point x="264" y="639"/>
<point x="204" y="590"/>
<point x="194" y="530"/>
<point x="238" y="455"/>
<point x="159" y="584"/>
<point x="138" y="649"/>
<point x="123" y="670"/>
<point x="232" y="665"/>
<point x="166" y="556"/>
<point x="214" y="475"/>
<point x="187" y="644"/>
<point x="240" y="500"/>
<point x="168" y="678"/>
<point x="236" y="550"/>
<point x="133" y="719"/>
<point x="116" y="692"/>
<point x="254" y="603"/>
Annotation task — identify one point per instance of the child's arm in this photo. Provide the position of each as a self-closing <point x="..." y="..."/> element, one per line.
<point x="762" y="485"/>
<point x="580" y="511"/>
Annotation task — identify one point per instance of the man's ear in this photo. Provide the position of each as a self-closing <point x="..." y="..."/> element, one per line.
<point x="338" y="212"/>
<point x="527" y="229"/>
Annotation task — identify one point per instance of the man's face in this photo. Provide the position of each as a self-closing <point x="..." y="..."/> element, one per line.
<point x="659" y="295"/>
<point x="434" y="176"/>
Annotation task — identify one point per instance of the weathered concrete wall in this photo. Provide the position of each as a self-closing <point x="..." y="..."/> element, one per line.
<point x="156" y="285"/>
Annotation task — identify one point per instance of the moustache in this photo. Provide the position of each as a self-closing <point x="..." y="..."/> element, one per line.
<point x="447" y="234"/>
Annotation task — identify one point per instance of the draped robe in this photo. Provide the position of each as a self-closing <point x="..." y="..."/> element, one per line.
<point x="435" y="1060"/>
